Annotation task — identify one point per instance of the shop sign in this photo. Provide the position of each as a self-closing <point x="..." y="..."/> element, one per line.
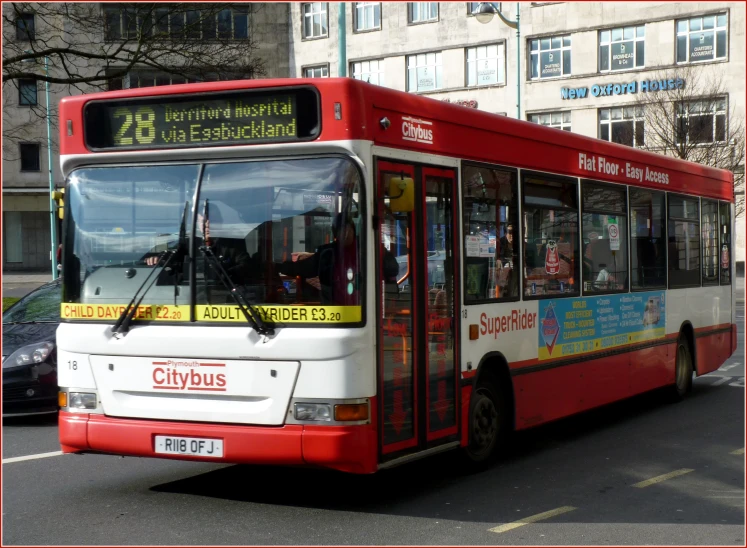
<point x="644" y="86"/>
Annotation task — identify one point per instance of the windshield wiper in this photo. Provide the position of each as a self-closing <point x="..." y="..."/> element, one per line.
<point x="251" y="314"/>
<point x="123" y="322"/>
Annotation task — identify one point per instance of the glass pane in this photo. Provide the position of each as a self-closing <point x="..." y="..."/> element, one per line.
<point x="566" y="41"/>
<point x="640" y="31"/>
<point x="535" y="66"/>
<point x="681" y="49"/>
<point x="604" y="37"/>
<point x="545" y="44"/>
<point x="709" y="22"/>
<point x="605" y="265"/>
<point x="604" y="57"/>
<point x="628" y="33"/>
<point x="647" y="242"/>
<point x="682" y="26"/>
<point x="617" y="34"/>
<point x="721" y="127"/>
<point x="556" y="117"/>
<point x="696" y="24"/>
<point x="604" y="132"/>
<point x="604" y="114"/>
<point x="721" y="20"/>
<point x="567" y="117"/>
<point x="721" y="44"/>
<point x="725" y="236"/>
<point x="534" y="45"/>
<point x="555" y="43"/>
<point x="566" y="61"/>
<point x="603" y="198"/>
<point x="639" y="54"/>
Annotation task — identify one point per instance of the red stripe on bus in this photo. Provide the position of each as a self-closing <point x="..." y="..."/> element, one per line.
<point x="167" y="387"/>
<point x="203" y="388"/>
<point x="212" y="364"/>
<point x="160" y="363"/>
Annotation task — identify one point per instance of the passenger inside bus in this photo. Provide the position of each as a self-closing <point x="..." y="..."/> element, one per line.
<point x="335" y="264"/>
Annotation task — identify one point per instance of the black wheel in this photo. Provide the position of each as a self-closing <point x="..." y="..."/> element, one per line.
<point x="683" y="370"/>
<point x="487" y="422"/>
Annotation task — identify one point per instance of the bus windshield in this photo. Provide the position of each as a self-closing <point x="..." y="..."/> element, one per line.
<point x="285" y="232"/>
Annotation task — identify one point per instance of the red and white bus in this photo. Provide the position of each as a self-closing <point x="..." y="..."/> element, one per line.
<point x="335" y="274"/>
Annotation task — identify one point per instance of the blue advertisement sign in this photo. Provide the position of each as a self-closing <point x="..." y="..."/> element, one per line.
<point x="572" y="327"/>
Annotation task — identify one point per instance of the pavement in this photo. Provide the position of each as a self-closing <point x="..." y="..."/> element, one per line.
<point x="20" y="284"/>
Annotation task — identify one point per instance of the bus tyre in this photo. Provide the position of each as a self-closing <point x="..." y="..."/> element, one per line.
<point x="683" y="370"/>
<point x="487" y="422"/>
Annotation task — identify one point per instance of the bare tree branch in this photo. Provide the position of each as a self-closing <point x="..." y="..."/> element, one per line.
<point x="697" y="122"/>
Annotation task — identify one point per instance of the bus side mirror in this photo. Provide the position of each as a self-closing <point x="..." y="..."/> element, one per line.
<point x="401" y="194"/>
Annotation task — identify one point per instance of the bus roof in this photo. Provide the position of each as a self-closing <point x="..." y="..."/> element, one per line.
<point x="424" y="124"/>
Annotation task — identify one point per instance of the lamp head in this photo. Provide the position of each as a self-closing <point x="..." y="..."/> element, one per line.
<point x="485" y="12"/>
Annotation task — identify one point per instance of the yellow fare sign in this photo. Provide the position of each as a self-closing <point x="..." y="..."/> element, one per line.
<point x="216" y="313"/>
<point x="282" y="314"/>
<point x="148" y="312"/>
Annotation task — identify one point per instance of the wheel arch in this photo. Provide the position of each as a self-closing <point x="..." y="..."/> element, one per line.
<point x="495" y="366"/>
<point x="688" y="332"/>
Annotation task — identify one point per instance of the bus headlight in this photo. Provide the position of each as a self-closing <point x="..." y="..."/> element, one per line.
<point x="81" y="400"/>
<point x="313" y="412"/>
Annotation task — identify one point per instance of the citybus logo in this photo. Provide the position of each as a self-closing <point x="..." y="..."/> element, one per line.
<point x="416" y="130"/>
<point x="195" y="376"/>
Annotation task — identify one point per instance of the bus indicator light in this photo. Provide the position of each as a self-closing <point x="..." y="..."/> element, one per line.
<point x="474" y="332"/>
<point x="351" y="412"/>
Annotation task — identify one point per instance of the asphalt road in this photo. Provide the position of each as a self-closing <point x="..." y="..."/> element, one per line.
<point x="588" y="473"/>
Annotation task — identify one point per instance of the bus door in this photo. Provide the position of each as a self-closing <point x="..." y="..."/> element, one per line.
<point x="416" y="307"/>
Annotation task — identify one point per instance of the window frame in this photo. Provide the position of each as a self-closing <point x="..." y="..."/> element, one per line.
<point x="562" y="114"/>
<point x="415" y="68"/>
<point x="518" y="237"/>
<point x="697" y="219"/>
<point x="356" y="19"/>
<point x="38" y="156"/>
<point x="324" y="11"/>
<point x="312" y="67"/>
<point x="715" y="112"/>
<point x="665" y="236"/>
<point x="538" y="53"/>
<point x="689" y="32"/>
<point x="382" y="73"/>
<point x="28" y="82"/>
<point x="410" y="20"/>
<point x="27" y="33"/>
<point x="730" y="208"/>
<point x="501" y="59"/>
<point x="563" y="179"/>
<point x="496" y="5"/>
<point x="636" y="39"/>
<point x="626" y="237"/>
<point x="639" y="116"/>
<point x="710" y="282"/>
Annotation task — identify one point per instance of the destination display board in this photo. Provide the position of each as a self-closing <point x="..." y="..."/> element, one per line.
<point x="206" y="119"/>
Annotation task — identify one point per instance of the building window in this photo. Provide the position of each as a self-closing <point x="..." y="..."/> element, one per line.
<point x="424" y="72"/>
<point x="550" y="227"/>
<point x="13" y="236"/>
<point x="701" y="38"/>
<point x="605" y="238"/>
<point x="486" y="65"/>
<point x="551" y="57"/>
<point x="622" y="125"/>
<point x="725" y="237"/>
<point x="559" y="120"/>
<point x="369" y="71"/>
<point x="684" y="242"/>
<point x="30" y="157"/>
<point x="126" y="23"/>
<point x="648" y="260"/>
<point x="27" y="92"/>
<point x="701" y="121"/>
<point x="319" y="71"/>
<point x="472" y="6"/>
<point x="25" y="27"/>
<point x="367" y="16"/>
<point x="709" y="228"/>
<point x="491" y="232"/>
<point x="422" y="12"/>
<point x="315" y="21"/>
<point x="622" y="48"/>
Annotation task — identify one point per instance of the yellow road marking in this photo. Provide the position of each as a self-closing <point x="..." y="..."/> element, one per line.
<point x="738" y="452"/>
<point x="531" y="519"/>
<point x="663" y="477"/>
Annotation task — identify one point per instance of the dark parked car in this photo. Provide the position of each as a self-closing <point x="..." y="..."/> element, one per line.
<point x="30" y="352"/>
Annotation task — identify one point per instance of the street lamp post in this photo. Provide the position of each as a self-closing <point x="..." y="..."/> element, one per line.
<point x="52" y="223"/>
<point x="484" y="14"/>
<point x="342" y="68"/>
